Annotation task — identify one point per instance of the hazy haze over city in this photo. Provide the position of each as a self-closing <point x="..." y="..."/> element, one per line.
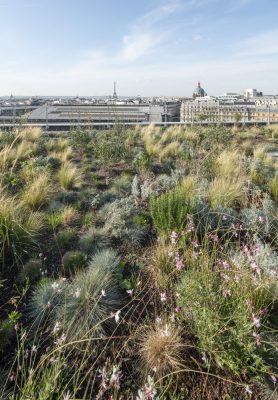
<point x="151" y="47"/>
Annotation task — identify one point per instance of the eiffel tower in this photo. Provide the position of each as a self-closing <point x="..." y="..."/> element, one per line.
<point x="115" y="91"/>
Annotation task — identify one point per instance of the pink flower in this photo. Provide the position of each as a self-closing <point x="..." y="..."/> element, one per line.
<point x="226" y="278"/>
<point x="236" y="279"/>
<point x="258" y="338"/>
<point x="61" y="339"/>
<point x="195" y="244"/>
<point x="226" y="265"/>
<point x="261" y="219"/>
<point x="179" y="263"/>
<point x="214" y="236"/>
<point x="227" y="293"/>
<point x="255" y="268"/>
<point x="245" y="250"/>
<point x="53" y="360"/>
<point x="256" y="321"/>
<point x="273" y="378"/>
<point x="173" y="237"/>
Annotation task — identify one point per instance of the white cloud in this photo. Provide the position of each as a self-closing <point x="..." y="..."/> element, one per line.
<point x="262" y="44"/>
<point x="138" y="45"/>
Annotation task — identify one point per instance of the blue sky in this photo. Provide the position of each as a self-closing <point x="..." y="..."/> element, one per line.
<point x="150" y="47"/>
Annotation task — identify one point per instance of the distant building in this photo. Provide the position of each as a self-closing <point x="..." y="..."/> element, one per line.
<point x="199" y="91"/>
<point x="251" y="93"/>
<point x="218" y="110"/>
<point x="108" y="112"/>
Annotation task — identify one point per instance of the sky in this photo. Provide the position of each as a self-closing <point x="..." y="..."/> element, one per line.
<point x="149" y="47"/>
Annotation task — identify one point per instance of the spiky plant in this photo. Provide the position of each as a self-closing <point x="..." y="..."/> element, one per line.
<point x="225" y="193"/>
<point x="171" y="150"/>
<point x="69" y="215"/>
<point x="229" y="165"/>
<point x="31" y="134"/>
<point x="73" y="261"/>
<point x="161" y="349"/>
<point x="162" y="266"/>
<point x="59" y="144"/>
<point x="37" y="193"/>
<point x="273" y="186"/>
<point x="94" y="240"/>
<point x="24" y="149"/>
<point x="31" y="270"/>
<point x="62" y="155"/>
<point x="91" y="298"/>
<point x="190" y="186"/>
<point x="68" y="176"/>
<point x="47" y="297"/>
<point x="18" y="230"/>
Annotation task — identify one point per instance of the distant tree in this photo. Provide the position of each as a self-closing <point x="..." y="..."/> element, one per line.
<point x="201" y="117"/>
<point x="80" y="139"/>
<point x="237" y="118"/>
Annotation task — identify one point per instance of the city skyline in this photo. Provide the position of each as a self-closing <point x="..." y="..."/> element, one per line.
<point x="152" y="48"/>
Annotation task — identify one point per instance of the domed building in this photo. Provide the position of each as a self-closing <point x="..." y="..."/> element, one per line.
<point x="199" y="91"/>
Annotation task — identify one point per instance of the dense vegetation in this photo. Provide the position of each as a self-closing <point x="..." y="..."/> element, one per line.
<point x="139" y="264"/>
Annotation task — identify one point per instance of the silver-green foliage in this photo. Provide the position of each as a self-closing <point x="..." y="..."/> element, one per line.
<point x="94" y="240"/>
<point x="91" y="298"/>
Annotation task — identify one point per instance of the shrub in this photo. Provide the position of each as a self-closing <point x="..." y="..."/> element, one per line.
<point x="261" y="173"/>
<point x="72" y="261"/>
<point x="94" y="240"/>
<point x="31" y="270"/>
<point x="37" y="193"/>
<point x="80" y="139"/>
<point x="66" y="239"/>
<point x="224" y="308"/>
<point x="121" y="185"/>
<point x="169" y="211"/>
<point x="119" y="217"/>
<point x="18" y="231"/>
<point x="142" y="161"/>
<point x="68" y="176"/>
<point x="111" y="146"/>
